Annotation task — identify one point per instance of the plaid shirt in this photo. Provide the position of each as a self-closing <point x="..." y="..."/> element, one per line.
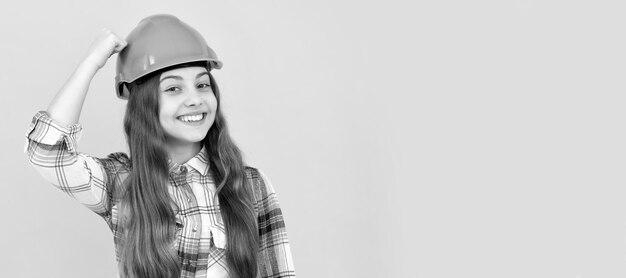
<point x="97" y="183"/>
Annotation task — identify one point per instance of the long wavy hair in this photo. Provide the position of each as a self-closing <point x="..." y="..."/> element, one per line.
<point x="149" y="231"/>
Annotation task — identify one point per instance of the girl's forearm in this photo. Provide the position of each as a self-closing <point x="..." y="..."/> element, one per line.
<point x="66" y="106"/>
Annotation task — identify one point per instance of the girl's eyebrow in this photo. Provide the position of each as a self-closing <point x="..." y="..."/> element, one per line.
<point x="172" y="77"/>
<point x="180" y="78"/>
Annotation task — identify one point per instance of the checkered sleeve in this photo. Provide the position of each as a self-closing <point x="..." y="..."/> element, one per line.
<point x="51" y="150"/>
<point x="274" y="253"/>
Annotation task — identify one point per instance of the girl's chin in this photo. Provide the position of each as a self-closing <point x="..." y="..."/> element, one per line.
<point x="186" y="139"/>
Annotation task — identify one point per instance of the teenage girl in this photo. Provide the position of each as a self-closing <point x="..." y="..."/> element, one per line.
<point x="183" y="204"/>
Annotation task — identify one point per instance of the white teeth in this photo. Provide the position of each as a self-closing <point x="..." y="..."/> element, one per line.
<point x="193" y="118"/>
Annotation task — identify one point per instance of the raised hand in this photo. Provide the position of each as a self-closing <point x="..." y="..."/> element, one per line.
<point x="105" y="45"/>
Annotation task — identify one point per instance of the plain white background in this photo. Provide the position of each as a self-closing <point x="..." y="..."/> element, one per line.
<point x="404" y="138"/>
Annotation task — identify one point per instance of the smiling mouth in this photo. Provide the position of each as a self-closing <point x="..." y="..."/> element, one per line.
<point x="192" y="118"/>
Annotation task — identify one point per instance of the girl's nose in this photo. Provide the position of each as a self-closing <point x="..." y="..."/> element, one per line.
<point x="193" y="98"/>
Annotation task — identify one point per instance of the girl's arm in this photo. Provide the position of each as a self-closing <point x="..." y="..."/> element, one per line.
<point x="66" y="106"/>
<point x="274" y="249"/>
<point x="52" y="137"/>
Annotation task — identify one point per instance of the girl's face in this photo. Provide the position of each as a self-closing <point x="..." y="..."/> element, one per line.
<point x="187" y="105"/>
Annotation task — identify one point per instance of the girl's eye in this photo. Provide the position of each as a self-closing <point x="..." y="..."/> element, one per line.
<point x="172" y="90"/>
<point x="203" y="85"/>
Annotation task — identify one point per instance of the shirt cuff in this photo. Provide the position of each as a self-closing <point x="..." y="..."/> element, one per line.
<point x="45" y="130"/>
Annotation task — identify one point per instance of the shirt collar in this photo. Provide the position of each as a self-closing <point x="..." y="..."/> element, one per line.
<point x="199" y="162"/>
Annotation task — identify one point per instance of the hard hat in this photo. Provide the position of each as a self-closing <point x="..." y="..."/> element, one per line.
<point x="158" y="42"/>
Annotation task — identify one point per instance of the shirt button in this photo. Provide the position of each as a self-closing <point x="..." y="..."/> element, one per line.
<point x="194" y="229"/>
<point x="189" y="200"/>
<point x="182" y="169"/>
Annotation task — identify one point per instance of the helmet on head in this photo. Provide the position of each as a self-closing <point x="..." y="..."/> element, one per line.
<point x="158" y="42"/>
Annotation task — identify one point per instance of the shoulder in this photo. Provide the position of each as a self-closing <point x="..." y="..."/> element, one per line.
<point x="260" y="184"/>
<point x="116" y="163"/>
<point x="120" y="157"/>
<point x="255" y="179"/>
<point x="251" y="172"/>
